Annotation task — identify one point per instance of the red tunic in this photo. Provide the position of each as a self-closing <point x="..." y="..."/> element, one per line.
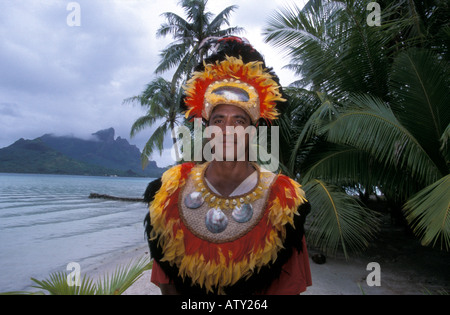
<point x="295" y="275"/>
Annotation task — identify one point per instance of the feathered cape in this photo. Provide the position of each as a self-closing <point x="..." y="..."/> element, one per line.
<point x="243" y="266"/>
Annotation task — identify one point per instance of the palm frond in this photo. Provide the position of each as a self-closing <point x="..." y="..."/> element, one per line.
<point x="289" y="26"/>
<point x="156" y="141"/>
<point x="116" y="283"/>
<point x="421" y="88"/>
<point x="172" y="55"/>
<point x="57" y="284"/>
<point x="141" y="123"/>
<point x="303" y="35"/>
<point x="335" y="164"/>
<point x="123" y="277"/>
<point x="428" y="212"/>
<point x="156" y="93"/>
<point x="332" y="47"/>
<point x="363" y="52"/>
<point x="301" y="103"/>
<point x="186" y="64"/>
<point x="347" y="166"/>
<point x="174" y="26"/>
<point x="195" y="10"/>
<point x="371" y="126"/>
<point x="324" y="113"/>
<point x="220" y="19"/>
<point x="337" y="220"/>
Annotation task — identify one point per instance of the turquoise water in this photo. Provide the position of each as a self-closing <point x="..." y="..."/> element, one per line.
<point x="48" y="221"/>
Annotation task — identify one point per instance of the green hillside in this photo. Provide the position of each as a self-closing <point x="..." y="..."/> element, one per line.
<point x="101" y="156"/>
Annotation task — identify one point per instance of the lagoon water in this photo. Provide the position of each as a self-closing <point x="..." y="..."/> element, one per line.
<point x="48" y="221"/>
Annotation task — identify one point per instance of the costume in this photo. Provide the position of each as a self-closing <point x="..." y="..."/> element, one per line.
<point x="206" y="243"/>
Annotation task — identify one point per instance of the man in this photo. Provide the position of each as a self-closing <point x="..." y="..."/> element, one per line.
<point x="228" y="226"/>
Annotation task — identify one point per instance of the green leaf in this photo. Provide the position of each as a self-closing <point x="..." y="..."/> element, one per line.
<point x="420" y="86"/>
<point x="428" y="212"/>
<point x="155" y="141"/>
<point x="371" y="126"/>
<point x="57" y="285"/>
<point x="123" y="277"/>
<point x="337" y="220"/>
<point x="116" y="283"/>
<point x="444" y="144"/>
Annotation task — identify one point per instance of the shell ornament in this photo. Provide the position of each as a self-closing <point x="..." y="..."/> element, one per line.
<point x="243" y="214"/>
<point x="194" y="200"/>
<point x="216" y="221"/>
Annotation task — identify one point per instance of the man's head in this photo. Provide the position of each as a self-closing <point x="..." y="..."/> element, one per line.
<point x="230" y="84"/>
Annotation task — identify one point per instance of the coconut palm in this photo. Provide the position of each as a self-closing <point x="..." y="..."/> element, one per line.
<point x="380" y="115"/>
<point x="189" y="33"/>
<point x="162" y="98"/>
<point x="162" y="107"/>
<point x="335" y="51"/>
<point x="337" y="220"/>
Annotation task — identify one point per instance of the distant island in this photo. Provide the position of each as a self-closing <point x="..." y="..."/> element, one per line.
<point x="102" y="155"/>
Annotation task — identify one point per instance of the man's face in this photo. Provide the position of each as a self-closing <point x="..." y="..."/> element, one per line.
<point x="224" y="116"/>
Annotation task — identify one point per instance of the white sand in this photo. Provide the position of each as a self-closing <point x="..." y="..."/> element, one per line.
<point x="406" y="268"/>
<point x="337" y="277"/>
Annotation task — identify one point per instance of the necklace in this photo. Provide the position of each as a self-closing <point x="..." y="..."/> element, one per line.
<point x="226" y="203"/>
<point x="216" y="219"/>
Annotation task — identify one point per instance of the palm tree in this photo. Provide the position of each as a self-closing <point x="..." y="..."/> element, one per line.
<point x="189" y="33"/>
<point x="337" y="220"/>
<point x="379" y="119"/>
<point x="162" y="107"/>
<point x="161" y="97"/>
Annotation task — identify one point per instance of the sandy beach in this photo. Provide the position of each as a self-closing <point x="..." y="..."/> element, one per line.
<point x="406" y="268"/>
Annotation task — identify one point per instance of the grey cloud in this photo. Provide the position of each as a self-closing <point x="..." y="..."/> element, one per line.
<point x="9" y="109"/>
<point x="61" y="79"/>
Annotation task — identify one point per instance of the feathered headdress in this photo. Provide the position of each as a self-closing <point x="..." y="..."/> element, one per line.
<point x="231" y="81"/>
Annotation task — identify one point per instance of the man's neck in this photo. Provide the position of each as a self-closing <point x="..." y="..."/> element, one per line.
<point x="226" y="176"/>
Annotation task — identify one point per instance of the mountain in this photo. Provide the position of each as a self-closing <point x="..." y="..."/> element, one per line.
<point x="100" y="155"/>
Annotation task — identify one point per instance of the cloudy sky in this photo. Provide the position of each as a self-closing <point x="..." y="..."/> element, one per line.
<point x="72" y="80"/>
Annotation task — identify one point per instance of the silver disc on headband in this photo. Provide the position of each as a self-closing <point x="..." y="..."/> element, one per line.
<point x="193" y="200"/>
<point x="242" y="214"/>
<point x="216" y="221"/>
